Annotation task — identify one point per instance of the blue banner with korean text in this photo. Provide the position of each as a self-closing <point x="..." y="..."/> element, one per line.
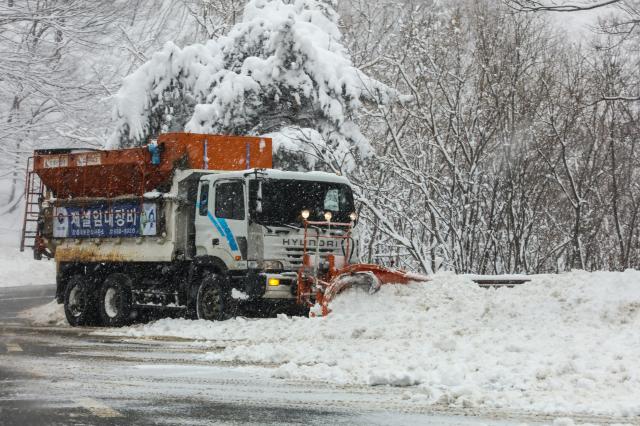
<point x="102" y="220"/>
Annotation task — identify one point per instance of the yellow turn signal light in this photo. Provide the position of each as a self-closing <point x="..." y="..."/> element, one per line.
<point x="274" y="282"/>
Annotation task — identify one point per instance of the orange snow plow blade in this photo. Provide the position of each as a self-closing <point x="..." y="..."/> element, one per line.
<point x="322" y="277"/>
<point x="369" y="276"/>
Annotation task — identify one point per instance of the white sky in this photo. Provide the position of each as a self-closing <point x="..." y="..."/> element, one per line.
<point x="579" y="25"/>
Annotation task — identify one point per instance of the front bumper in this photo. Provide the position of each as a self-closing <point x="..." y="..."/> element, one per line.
<point x="262" y="285"/>
<point x="285" y="288"/>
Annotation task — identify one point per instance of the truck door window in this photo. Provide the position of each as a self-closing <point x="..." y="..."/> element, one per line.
<point x="230" y="200"/>
<point x="203" y="205"/>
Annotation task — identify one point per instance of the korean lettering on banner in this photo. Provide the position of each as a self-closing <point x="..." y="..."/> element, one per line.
<point x="123" y="219"/>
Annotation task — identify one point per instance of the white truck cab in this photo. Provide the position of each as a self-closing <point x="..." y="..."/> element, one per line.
<point x="251" y="222"/>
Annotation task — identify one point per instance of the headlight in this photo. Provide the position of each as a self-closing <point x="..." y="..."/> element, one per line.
<point x="353" y="216"/>
<point x="274" y="282"/>
<point x="305" y="214"/>
<point x="328" y="216"/>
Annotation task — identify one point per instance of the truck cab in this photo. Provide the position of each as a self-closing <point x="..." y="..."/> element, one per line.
<point x="252" y="223"/>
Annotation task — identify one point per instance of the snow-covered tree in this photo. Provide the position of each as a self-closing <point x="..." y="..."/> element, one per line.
<point x="281" y="70"/>
<point x="43" y="81"/>
<point x="61" y="59"/>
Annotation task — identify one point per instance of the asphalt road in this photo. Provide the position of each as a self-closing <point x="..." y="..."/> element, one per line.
<point x="16" y="299"/>
<point x="64" y="375"/>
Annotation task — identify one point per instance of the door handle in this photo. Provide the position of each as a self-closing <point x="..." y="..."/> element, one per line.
<point x="215" y="241"/>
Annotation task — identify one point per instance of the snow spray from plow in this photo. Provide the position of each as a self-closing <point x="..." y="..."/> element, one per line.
<point x="322" y="280"/>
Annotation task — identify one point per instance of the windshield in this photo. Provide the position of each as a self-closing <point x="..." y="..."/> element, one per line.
<point x="283" y="200"/>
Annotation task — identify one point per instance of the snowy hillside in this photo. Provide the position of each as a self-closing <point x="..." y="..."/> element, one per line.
<point x="560" y="344"/>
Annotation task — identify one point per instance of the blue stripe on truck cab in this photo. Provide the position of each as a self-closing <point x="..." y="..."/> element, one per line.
<point x="223" y="228"/>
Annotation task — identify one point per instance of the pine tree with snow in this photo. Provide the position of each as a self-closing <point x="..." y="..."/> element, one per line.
<point x="282" y="72"/>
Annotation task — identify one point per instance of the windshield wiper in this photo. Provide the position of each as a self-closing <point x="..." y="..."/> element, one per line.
<point x="286" y="225"/>
<point x="275" y="223"/>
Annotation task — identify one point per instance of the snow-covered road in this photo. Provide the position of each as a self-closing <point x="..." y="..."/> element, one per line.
<point x="562" y="344"/>
<point x="62" y="375"/>
<point x="559" y="346"/>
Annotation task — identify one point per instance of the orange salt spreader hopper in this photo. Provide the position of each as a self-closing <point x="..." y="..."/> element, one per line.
<point x="69" y="173"/>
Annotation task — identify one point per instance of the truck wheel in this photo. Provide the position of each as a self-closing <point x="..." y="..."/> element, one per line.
<point x="212" y="299"/>
<point x="115" y="301"/>
<point x="79" y="301"/>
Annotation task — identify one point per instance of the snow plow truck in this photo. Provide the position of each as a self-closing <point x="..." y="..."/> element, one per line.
<point x="192" y="221"/>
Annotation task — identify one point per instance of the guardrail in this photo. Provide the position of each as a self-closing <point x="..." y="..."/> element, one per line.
<point x="495" y="281"/>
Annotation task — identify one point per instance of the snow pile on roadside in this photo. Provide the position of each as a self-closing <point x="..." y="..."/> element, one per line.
<point x="51" y="313"/>
<point x="19" y="268"/>
<point x="560" y="344"/>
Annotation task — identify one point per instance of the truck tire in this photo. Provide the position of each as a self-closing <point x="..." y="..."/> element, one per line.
<point x="212" y="298"/>
<point x="80" y="301"/>
<point x="115" y="301"/>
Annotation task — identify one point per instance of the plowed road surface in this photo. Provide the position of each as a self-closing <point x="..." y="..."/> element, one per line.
<point x="63" y="375"/>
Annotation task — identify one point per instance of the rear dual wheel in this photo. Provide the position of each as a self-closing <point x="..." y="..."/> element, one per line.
<point x="86" y="303"/>
<point x="80" y="301"/>
<point x="115" y="301"/>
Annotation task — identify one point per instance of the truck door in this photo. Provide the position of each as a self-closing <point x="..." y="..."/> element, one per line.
<point x="207" y="239"/>
<point x="221" y="226"/>
<point x="230" y="216"/>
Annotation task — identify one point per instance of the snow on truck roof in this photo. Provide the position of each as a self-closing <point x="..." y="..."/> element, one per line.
<point x="281" y="174"/>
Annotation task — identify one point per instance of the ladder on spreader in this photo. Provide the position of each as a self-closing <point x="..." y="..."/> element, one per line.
<point x="33" y="195"/>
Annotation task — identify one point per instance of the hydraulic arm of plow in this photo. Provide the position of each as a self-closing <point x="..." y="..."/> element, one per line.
<point x="320" y="281"/>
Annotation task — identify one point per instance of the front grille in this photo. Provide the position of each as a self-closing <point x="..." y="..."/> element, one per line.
<point x="289" y="249"/>
<point x="294" y="254"/>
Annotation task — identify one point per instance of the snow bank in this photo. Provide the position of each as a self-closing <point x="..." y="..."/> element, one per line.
<point x="19" y="268"/>
<point x="559" y="344"/>
<point x="51" y="313"/>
